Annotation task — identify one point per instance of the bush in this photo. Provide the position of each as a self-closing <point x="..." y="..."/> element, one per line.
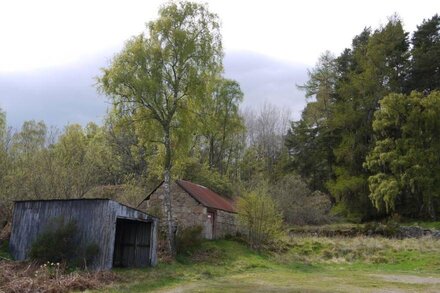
<point x="4" y="250"/>
<point x="90" y="253"/>
<point x="259" y="218"/>
<point x="189" y="239"/>
<point x="56" y="244"/>
<point x="5" y="219"/>
<point x="299" y="205"/>
<point x="389" y="229"/>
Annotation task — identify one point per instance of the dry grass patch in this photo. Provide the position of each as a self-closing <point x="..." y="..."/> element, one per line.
<point x="30" y="277"/>
<point x="370" y="250"/>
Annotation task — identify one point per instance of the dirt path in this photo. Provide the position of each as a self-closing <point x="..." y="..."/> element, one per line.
<point x="409" y="279"/>
<point x="358" y="282"/>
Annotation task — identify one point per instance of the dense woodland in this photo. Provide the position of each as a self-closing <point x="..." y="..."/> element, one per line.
<point x="367" y="145"/>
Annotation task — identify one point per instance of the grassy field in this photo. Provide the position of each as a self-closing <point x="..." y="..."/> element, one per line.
<point x="308" y="264"/>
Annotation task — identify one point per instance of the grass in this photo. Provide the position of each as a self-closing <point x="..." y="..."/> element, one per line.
<point x="426" y="225"/>
<point x="309" y="264"/>
<point x="406" y="255"/>
<point x="214" y="259"/>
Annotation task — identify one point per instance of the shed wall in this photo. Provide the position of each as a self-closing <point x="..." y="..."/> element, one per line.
<point x="95" y="220"/>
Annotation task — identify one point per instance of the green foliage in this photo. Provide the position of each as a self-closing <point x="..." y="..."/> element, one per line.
<point x="311" y="154"/>
<point x="298" y="204"/>
<point x="189" y="239"/>
<point x="221" y="127"/>
<point x="91" y="251"/>
<point x="342" y="211"/>
<point x="379" y="67"/>
<point x="30" y="174"/>
<point x="259" y="218"/>
<point x="47" y="164"/>
<point x="389" y="229"/>
<point x="5" y="165"/>
<point x="56" y="244"/>
<point x="404" y="160"/>
<point x="427" y="225"/>
<point x="203" y="175"/>
<point x="162" y="78"/>
<point x="335" y="134"/>
<point x="252" y="166"/>
<point x="425" y="63"/>
<point x="128" y="155"/>
<point x="83" y="159"/>
<point x="4" y="250"/>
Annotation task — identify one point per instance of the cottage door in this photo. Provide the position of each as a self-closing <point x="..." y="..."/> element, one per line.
<point x="209" y="227"/>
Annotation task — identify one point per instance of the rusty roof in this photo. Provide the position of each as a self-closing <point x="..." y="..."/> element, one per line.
<point x="207" y="197"/>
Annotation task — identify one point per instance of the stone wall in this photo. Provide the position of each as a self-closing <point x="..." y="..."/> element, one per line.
<point x="374" y="229"/>
<point x="187" y="212"/>
<point x="225" y="224"/>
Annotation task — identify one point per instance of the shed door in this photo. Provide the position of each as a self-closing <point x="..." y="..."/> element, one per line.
<point x="132" y="243"/>
<point x="209" y="225"/>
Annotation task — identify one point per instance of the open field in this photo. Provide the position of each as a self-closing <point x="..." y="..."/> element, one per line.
<point x="308" y="264"/>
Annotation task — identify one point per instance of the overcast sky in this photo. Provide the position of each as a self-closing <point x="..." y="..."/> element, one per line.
<point x="51" y="50"/>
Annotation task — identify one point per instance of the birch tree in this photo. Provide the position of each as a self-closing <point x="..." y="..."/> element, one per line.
<point x="163" y="75"/>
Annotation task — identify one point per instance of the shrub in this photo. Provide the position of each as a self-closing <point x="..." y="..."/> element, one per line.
<point x="56" y="244"/>
<point x="4" y="250"/>
<point x="5" y="213"/>
<point x="90" y="253"/>
<point x="299" y="205"/>
<point x="389" y="229"/>
<point x="259" y="218"/>
<point x="188" y="239"/>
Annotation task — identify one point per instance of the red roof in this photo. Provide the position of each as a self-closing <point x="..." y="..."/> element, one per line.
<point x="206" y="196"/>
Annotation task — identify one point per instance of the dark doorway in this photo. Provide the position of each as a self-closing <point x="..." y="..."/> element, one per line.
<point x="132" y="244"/>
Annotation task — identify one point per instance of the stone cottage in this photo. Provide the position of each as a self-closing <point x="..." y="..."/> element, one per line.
<point x="194" y="205"/>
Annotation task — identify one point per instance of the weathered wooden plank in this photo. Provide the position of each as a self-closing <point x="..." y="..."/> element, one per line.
<point x="95" y="218"/>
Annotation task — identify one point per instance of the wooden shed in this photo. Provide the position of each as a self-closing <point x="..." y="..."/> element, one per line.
<point x="126" y="237"/>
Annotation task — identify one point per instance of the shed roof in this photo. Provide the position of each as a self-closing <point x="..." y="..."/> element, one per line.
<point x="203" y="195"/>
<point x="82" y="199"/>
<point x="206" y="196"/>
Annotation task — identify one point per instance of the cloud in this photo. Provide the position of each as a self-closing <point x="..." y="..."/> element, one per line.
<point x="58" y="96"/>
<point x="67" y="94"/>
<point x="264" y="79"/>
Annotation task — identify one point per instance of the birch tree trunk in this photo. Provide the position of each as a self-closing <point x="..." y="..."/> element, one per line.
<point x="168" y="195"/>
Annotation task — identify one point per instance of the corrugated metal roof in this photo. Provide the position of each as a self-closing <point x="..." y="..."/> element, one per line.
<point x="82" y="199"/>
<point x="62" y="199"/>
<point x="206" y="196"/>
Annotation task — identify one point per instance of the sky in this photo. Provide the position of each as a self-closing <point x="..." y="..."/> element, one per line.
<point x="52" y="51"/>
